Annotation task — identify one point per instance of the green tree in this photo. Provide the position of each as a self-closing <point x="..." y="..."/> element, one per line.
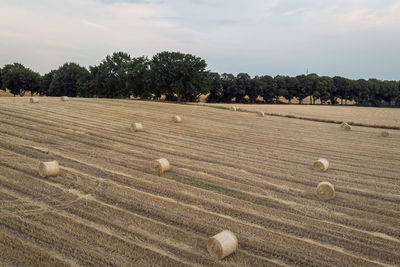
<point x="242" y="86"/>
<point x="388" y="92"/>
<point x="255" y="89"/>
<point x="138" y="79"/>
<point x="67" y="80"/>
<point x="1" y="81"/>
<point x="374" y="86"/>
<point x="281" y="87"/>
<point x="19" y="79"/>
<point x="33" y="81"/>
<point x="179" y="74"/>
<point x="268" y="88"/>
<point x="324" y="89"/>
<point x="228" y="82"/>
<point x="303" y="89"/>
<point x="110" y="78"/>
<point x="362" y="93"/>
<point x="342" y="86"/>
<point x="215" y="86"/>
<point x="46" y="81"/>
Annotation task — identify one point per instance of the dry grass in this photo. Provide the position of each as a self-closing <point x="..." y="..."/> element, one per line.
<point x="231" y="170"/>
<point x="5" y="93"/>
<point x="365" y="115"/>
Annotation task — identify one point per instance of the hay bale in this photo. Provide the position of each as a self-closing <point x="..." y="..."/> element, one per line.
<point x="321" y="165"/>
<point x="137" y="127"/>
<point x="34" y="100"/>
<point x="260" y="113"/>
<point x="177" y="119"/>
<point x="346" y="126"/>
<point x="50" y="168"/>
<point x="160" y="165"/>
<point x="343" y="124"/>
<point x="385" y="133"/>
<point x="64" y="98"/>
<point x="325" y="191"/>
<point x="233" y="108"/>
<point x="222" y="244"/>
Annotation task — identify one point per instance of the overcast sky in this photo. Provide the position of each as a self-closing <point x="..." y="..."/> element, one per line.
<point x="351" y="38"/>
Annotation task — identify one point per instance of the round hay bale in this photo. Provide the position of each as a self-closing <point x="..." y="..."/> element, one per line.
<point x="222" y="244"/>
<point x="34" y="100"/>
<point x="64" y="98"/>
<point x="343" y="124"/>
<point x="321" y="165"/>
<point x="325" y="191"/>
<point x="385" y="133"/>
<point x="160" y="165"/>
<point x="347" y="127"/>
<point x="50" y="168"/>
<point x="177" y="119"/>
<point x="233" y="108"/>
<point x="260" y="113"/>
<point x="137" y="127"/>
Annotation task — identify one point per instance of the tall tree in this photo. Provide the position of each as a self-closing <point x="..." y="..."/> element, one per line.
<point x="19" y="79"/>
<point x="33" y="81"/>
<point x="374" y="87"/>
<point x="281" y="87"/>
<point x="303" y="89"/>
<point x="215" y="86"/>
<point x="255" y="89"/>
<point x="228" y="82"/>
<point x="67" y="79"/>
<point x="1" y="81"/>
<point x="138" y="79"/>
<point x="242" y="86"/>
<point x="341" y="85"/>
<point x="110" y="78"/>
<point x="179" y="74"/>
<point x="268" y="88"/>
<point x="324" y="89"/>
<point x="46" y="81"/>
<point x="362" y="93"/>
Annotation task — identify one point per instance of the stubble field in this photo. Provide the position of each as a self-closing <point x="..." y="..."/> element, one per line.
<point x="230" y="170"/>
<point x="365" y="115"/>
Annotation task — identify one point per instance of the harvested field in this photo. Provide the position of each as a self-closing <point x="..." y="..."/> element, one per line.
<point x="229" y="170"/>
<point x="365" y="115"/>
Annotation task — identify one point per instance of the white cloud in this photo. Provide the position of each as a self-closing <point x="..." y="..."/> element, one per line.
<point x="264" y="36"/>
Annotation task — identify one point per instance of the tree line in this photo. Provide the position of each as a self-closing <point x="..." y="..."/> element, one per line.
<point x="183" y="77"/>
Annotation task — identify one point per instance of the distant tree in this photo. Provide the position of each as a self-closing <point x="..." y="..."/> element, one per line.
<point x="33" y="81"/>
<point x="46" y="81"/>
<point x="215" y="87"/>
<point x="110" y="78"/>
<point x="67" y="80"/>
<point x="228" y="82"/>
<point x="1" y="81"/>
<point x="304" y="88"/>
<point x="255" y="89"/>
<point x="19" y="79"/>
<point x="374" y="87"/>
<point x="268" y="88"/>
<point x="324" y="89"/>
<point x="281" y="87"/>
<point x="341" y="85"/>
<point x="397" y="99"/>
<point x="179" y="74"/>
<point x="362" y="94"/>
<point x="388" y="92"/>
<point x="242" y="86"/>
<point x="138" y="78"/>
<point x="292" y="85"/>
